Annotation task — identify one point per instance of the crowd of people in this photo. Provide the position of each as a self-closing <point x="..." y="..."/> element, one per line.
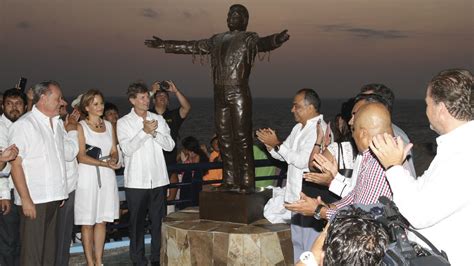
<point x="328" y="172"/>
<point x="59" y="170"/>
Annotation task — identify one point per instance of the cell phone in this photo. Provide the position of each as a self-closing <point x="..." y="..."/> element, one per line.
<point x="22" y="84"/>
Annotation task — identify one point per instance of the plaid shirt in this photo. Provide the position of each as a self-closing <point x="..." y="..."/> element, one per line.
<point x="371" y="184"/>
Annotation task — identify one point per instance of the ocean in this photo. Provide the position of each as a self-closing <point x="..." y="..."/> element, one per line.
<point x="276" y="113"/>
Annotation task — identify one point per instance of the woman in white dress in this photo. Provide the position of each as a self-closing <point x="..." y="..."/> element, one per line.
<point x="97" y="199"/>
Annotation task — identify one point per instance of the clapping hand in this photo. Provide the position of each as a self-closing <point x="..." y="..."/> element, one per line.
<point x="305" y="205"/>
<point x="326" y="165"/>
<point x="388" y="150"/>
<point x="268" y="137"/>
<point x="9" y="153"/>
<point x="72" y="120"/>
<point x="150" y="126"/>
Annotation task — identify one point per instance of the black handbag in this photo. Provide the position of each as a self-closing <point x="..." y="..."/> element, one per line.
<point x="96" y="153"/>
<point x="343" y="171"/>
<point x="93" y="151"/>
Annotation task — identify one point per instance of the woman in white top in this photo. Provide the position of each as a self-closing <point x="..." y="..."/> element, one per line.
<point x="342" y="152"/>
<point x="97" y="199"/>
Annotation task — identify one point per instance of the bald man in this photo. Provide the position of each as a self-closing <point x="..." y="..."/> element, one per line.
<point x="370" y="120"/>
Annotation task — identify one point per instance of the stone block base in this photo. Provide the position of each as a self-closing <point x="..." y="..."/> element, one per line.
<point x="187" y="240"/>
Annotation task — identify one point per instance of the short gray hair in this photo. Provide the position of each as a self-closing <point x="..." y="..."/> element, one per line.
<point x="42" y="88"/>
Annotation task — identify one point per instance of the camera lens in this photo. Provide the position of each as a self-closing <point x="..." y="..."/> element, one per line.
<point x="164" y="85"/>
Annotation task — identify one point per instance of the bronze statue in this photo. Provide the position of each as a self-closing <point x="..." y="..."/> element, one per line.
<point x="232" y="55"/>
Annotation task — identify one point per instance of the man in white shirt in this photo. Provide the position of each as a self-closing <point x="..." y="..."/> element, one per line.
<point x="39" y="173"/>
<point x="14" y="106"/>
<point x="439" y="203"/>
<point x="295" y="150"/>
<point x="143" y="136"/>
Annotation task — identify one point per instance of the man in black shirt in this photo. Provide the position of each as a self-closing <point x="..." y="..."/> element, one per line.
<point x="174" y="118"/>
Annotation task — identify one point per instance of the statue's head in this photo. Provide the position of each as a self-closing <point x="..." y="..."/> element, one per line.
<point x="237" y="18"/>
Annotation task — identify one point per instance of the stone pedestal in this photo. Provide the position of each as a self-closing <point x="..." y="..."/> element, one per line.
<point x="230" y="206"/>
<point x="188" y="240"/>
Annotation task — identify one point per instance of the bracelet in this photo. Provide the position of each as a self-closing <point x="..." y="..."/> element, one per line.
<point x="319" y="145"/>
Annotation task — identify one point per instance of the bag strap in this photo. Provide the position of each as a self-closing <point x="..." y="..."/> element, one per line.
<point x="339" y="155"/>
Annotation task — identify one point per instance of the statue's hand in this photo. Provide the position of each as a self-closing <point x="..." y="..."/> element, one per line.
<point x="155" y="43"/>
<point x="282" y="37"/>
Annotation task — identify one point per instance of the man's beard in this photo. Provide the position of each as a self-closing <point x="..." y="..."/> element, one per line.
<point x="13" y="116"/>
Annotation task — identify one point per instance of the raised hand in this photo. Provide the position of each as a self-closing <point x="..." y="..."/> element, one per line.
<point x="325" y="165"/>
<point x="172" y="87"/>
<point x="72" y="120"/>
<point x="268" y="137"/>
<point x="155" y="43"/>
<point x="150" y="126"/>
<point x="282" y="37"/>
<point x="388" y="151"/>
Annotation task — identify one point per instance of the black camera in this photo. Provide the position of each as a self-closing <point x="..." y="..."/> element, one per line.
<point x="400" y="250"/>
<point x="164" y="85"/>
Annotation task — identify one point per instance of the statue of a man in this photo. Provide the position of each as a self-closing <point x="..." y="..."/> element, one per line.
<point x="232" y="55"/>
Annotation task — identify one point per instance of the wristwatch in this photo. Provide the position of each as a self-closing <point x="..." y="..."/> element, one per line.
<point x="277" y="148"/>
<point x="317" y="212"/>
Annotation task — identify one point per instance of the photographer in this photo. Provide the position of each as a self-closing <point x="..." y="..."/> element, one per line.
<point x="174" y="118"/>
<point x="351" y="239"/>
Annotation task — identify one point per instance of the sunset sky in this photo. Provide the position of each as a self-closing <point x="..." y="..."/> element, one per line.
<point x="335" y="46"/>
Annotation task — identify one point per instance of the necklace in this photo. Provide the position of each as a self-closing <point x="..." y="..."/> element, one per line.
<point x="98" y="125"/>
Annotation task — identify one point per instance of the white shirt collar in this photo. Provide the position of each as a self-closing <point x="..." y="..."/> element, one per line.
<point x="459" y="134"/>
<point x="7" y="121"/>
<point x="44" y="118"/>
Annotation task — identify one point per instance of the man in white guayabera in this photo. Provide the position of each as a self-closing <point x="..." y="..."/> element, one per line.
<point x="143" y="136"/>
<point x="439" y="203"/>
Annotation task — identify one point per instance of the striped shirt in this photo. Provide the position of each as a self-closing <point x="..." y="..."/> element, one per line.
<point x="371" y="184"/>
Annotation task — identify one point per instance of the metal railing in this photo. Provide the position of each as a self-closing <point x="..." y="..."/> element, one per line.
<point x="201" y="168"/>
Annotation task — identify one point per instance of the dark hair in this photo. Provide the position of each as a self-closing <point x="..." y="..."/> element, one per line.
<point x="454" y="88"/>
<point x="311" y="97"/>
<point x="87" y="98"/>
<point x="192" y="144"/>
<point x="43" y="88"/>
<point x="110" y="106"/>
<point x="340" y="136"/>
<point x="383" y="91"/>
<point x="372" y="98"/>
<point x="353" y="238"/>
<point x="160" y="90"/>
<point x="14" y="93"/>
<point x="135" y="88"/>
<point x="346" y="109"/>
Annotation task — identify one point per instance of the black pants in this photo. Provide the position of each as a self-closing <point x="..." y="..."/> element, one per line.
<point x="10" y="237"/>
<point x="233" y="111"/>
<point x="38" y="236"/>
<point x="140" y="203"/>
<point x="64" y="231"/>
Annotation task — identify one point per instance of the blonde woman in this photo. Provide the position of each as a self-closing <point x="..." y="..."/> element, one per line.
<point x="97" y="201"/>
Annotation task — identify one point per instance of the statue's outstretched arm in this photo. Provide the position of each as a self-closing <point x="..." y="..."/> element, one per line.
<point x="273" y="41"/>
<point x="181" y="47"/>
